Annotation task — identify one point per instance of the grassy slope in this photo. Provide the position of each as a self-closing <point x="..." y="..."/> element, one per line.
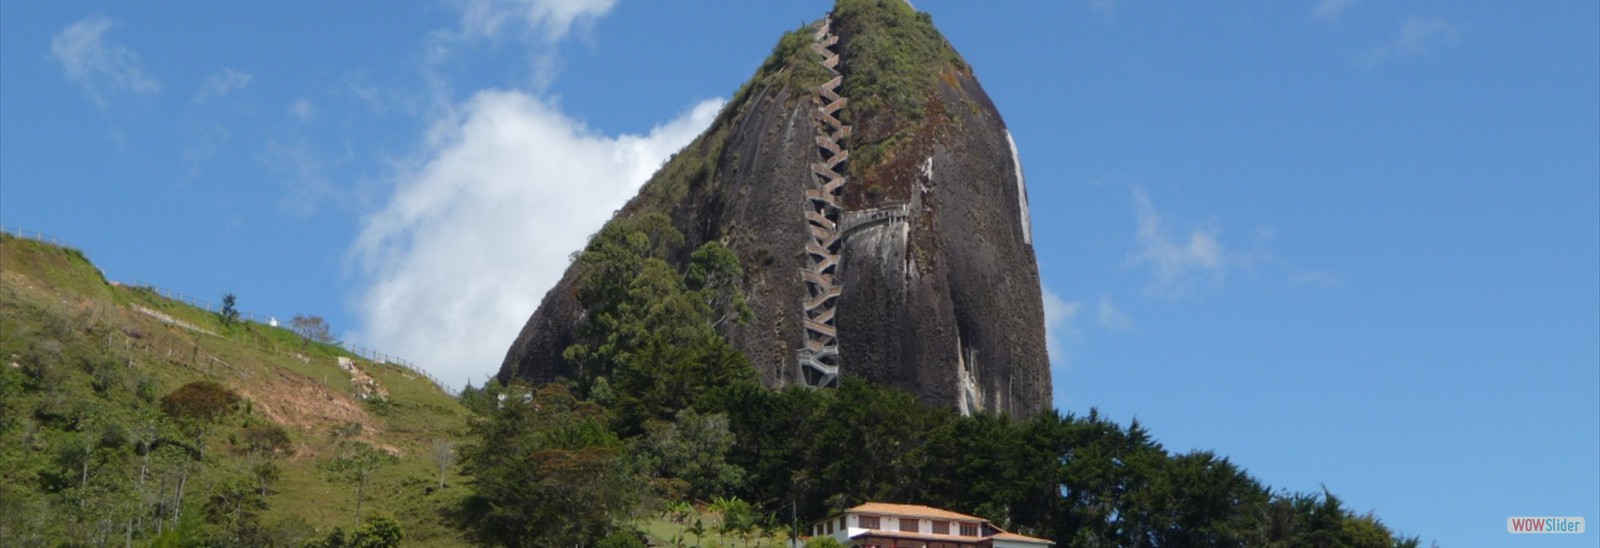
<point x="667" y="532"/>
<point x="58" y="313"/>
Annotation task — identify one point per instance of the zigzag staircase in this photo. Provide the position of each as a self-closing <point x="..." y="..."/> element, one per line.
<point x="819" y="358"/>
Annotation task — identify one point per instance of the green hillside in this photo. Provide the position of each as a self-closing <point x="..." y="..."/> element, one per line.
<point x="89" y="453"/>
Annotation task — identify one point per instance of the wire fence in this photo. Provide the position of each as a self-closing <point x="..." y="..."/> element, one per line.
<point x="36" y="236"/>
<point x="215" y="307"/>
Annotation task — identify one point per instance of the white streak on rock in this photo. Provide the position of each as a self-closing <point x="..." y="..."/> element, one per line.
<point x="1022" y="193"/>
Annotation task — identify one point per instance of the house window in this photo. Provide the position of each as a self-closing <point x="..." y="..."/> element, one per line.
<point x="841" y="523"/>
<point x="830" y="528"/>
<point x="867" y="522"/>
<point x="908" y="525"/>
<point x="941" y="527"/>
<point x="969" y="529"/>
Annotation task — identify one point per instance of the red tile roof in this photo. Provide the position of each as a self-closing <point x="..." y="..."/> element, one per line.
<point x="911" y="510"/>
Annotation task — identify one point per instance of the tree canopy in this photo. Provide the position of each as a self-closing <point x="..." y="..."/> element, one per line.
<point x="546" y="471"/>
<point x="648" y="345"/>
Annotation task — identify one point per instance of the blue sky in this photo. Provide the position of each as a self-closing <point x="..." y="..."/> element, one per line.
<point x="1351" y="243"/>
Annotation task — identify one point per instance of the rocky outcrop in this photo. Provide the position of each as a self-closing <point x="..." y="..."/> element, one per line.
<point x="915" y="251"/>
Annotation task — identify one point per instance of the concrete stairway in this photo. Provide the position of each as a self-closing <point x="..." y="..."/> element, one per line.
<point x="819" y="358"/>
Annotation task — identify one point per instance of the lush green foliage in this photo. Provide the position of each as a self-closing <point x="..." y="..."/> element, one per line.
<point x="793" y="62"/>
<point x="823" y="542"/>
<point x="354" y="464"/>
<point x="229" y="314"/>
<point x="893" y="54"/>
<point x="127" y="415"/>
<point x="692" y="450"/>
<point x="648" y="345"/>
<point x="1082" y="481"/>
<point x="380" y="532"/>
<point x="546" y="471"/>
<point x="892" y="59"/>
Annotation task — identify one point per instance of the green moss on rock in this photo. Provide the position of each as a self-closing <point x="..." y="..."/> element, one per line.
<point x="893" y="58"/>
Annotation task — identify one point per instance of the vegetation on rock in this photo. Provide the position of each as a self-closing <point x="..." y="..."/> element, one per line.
<point x="648" y="346"/>
<point x="892" y="59"/>
<point x="662" y="401"/>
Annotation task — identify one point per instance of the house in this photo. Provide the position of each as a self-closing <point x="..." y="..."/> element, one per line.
<point x="884" y="525"/>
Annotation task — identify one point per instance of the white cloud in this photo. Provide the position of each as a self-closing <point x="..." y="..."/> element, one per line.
<point x="1059" y="315"/>
<point x="1111" y="317"/>
<point x="549" y="20"/>
<point x="100" y="67"/>
<point x="535" y="25"/>
<point x="218" y="85"/>
<point x="1333" y="9"/>
<point x="473" y="237"/>
<point x="1418" y="38"/>
<point x="1176" y="264"/>
<point x="302" y="110"/>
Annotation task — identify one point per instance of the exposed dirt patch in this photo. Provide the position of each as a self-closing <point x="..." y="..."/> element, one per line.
<point x="295" y="401"/>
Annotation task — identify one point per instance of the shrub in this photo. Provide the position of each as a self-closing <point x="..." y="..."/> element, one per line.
<point x="200" y="400"/>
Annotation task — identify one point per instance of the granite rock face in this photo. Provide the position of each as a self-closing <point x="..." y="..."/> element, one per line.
<point x="939" y="288"/>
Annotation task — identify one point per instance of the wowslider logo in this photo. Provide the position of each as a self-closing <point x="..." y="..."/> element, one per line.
<point x="1544" y="525"/>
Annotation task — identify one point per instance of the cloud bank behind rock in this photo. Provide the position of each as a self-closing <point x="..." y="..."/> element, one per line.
<point x="503" y="192"/>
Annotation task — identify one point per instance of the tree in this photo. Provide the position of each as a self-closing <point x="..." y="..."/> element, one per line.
<point x="229" y="314"/>
<point x="823" y="542"/>
<point x="692" y="448"/>
<point x="481" y="401"/>
<point x="199" y="400"/>
<point x="735" y="517"/>
<point x="311" y="328"/>
<point x="262" y="444"/>
<point x="546" y="471"/>
<point x="623" y="539"/>
<point x="198" y="405"/>
<point x="236" y="504"/>
<point x="714" y="273"/>
<point x="698" y="529"/>
<point x="355" y="464"/>
<point x="649" y="333"/>
<point x="381" y="532"/>
<point x="444" y="456"/>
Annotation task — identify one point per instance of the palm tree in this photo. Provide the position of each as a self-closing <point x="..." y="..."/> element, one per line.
<point x="768" y="526"/>
<point x="699" y="530"/>
<point x="678" y="512"/>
